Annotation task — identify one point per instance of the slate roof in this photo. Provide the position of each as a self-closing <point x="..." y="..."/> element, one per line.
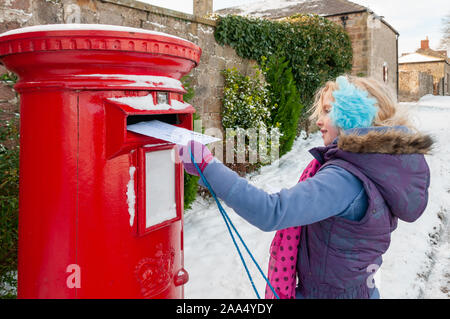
<point x="277" y="9"/>
<point x="417" y="58"/>
<point x="287" y="8"/>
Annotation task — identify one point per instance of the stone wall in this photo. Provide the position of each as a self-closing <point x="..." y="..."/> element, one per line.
<point x="438" y="70"/>
<point x="425" y="84"/>
<point x="413" y="85"/>
<point x="374" y="46"/>
<point x="356" y="27"/>
<point x="383" y="53"/>
<point x="202" y="7"/>
<point x="206" y="78"/>
<point x="446" y="82"/>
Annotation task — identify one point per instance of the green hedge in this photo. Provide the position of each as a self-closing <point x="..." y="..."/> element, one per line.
<point x="9" y="198"/>
<point x="190" y="181"/>
<point x="9" y="204"/>
<point x="316" y="49"/>
<point x="285" y="98"/>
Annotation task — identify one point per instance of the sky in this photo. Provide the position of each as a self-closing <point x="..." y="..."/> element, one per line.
<point x="413" y="19"/>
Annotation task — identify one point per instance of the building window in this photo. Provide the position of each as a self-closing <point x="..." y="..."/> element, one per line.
<point x="385" y="72"/>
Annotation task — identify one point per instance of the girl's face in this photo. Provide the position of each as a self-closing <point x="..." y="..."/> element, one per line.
<point x="329" y="131"/>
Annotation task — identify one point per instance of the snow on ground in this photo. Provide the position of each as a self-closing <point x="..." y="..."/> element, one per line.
<point x="431" y="100"/>
<point x="415" y="266"/>
<point x="412" y="256"/>
<point x="214" y="267"/>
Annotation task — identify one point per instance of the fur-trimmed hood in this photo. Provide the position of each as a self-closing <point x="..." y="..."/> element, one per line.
<point x="385" y="140"/>
<point x="393" y="159"/>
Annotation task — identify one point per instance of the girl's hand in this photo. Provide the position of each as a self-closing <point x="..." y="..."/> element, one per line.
<point x="202" y="156"/>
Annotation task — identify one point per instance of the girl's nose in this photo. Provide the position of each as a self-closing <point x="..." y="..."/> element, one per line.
<point x="319" y="122"/>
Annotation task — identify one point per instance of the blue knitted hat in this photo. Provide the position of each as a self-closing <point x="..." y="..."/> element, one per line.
<point x="352" y="108"/>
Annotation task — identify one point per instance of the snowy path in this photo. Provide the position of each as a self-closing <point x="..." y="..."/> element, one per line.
<point x="435" y="277"/>
<point x="438" y="283"/>
<point x="415" y="266"/>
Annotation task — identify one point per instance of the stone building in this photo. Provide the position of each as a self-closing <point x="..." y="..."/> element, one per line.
<point x="374" y="41"/>
<point x="425" y="71"/>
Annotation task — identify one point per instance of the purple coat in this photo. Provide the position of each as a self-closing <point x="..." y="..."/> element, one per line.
<point x="337" y="256"/>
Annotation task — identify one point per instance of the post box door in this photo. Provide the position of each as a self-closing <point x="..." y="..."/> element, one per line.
<point x="159" y="216"/>
<point x="159" y="188"/>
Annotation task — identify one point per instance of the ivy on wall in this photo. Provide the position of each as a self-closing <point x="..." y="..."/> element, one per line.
<point x="316" y="49"/>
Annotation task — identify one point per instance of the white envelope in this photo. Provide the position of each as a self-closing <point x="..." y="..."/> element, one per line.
<point x="170" y="133"/>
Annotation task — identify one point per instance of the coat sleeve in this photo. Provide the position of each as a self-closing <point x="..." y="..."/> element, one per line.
<point x="328" y="193"/>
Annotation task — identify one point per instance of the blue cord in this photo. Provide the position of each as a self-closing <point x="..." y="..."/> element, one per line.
<point x="228" y="222"/>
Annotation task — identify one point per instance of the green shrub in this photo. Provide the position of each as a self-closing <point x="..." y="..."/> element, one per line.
<point x="190" y="181"/>
<point x="190" y="189"/>
<point x="249" y="102"/>
<point x="9" y="205"/>
<point x="247" y="110"/>
<point x="285" y="98"/>
<point x="245" y="101"/>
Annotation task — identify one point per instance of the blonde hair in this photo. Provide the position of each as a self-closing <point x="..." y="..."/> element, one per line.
<point x="389" y="113"/>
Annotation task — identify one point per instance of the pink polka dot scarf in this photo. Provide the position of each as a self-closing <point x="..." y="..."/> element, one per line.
<point x="284" y="251"/>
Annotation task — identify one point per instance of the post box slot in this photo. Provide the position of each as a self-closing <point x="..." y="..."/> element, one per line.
<point x="168" y="118"/>
<point x="118" y="116"/>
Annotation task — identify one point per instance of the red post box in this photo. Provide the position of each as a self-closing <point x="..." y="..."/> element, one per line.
<point x="100" y="207"/>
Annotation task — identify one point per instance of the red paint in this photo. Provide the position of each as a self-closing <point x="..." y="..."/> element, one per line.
<point x="75" y="156"/>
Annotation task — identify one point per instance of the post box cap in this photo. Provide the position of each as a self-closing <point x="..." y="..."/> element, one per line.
<point x="74" y="27"/>
<point x="62" y="52"/>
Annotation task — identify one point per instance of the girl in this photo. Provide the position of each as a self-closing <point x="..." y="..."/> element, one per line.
<point x="370" y="172"/>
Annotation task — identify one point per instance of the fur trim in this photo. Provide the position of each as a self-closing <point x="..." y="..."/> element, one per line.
<point x="388" y="142"/>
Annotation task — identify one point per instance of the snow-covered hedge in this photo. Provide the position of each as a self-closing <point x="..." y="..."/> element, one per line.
<point x="245" y="101"/>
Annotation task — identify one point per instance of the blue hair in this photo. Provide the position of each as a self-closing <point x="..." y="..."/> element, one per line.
<point x="352" y="108"/>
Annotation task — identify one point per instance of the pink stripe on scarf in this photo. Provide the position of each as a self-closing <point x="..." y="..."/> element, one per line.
<point x="284" y="251"/>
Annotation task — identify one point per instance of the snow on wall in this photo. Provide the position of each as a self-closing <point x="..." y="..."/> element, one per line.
<point x="16" y="15"/>
<point x="254" y="8"/>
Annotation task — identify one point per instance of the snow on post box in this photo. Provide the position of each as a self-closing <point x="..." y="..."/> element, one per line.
<point x="100" y="208"/>
<point x="160" y="181"/>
